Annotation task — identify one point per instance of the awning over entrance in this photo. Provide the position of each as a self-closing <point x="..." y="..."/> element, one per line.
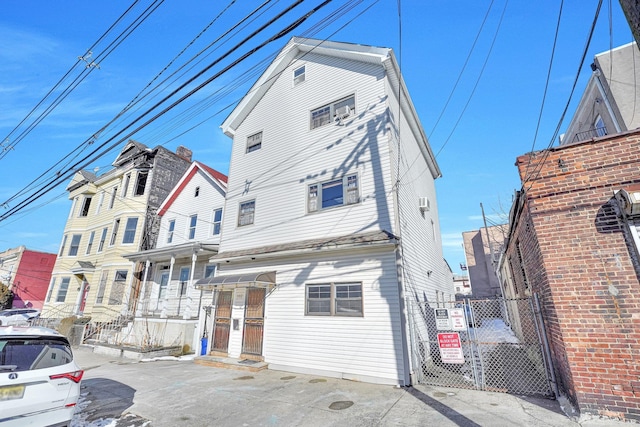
<point x="265" y="279"/>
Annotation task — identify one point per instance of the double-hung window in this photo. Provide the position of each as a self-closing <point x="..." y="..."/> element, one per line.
<point x="217" y="220"/>
<point x="62" y="291"/>
<point x="298" y="75"/>
<point x="141" y="183"/>
<point x="114" y="193"/>
<point x="90" y="243"/>
<point x="246" y="212"/>
<point x="172" y="227"/>
<point x="254" y="142"/>
<point x="75" y="244"/>
<point x="334" y="299"/>
<point x="337" y="192"/>
<point x="184" y="280"/>
<point x="103" y="238"/>
<point x="84" y="211"/>
<point x="114" y="233"/>
<point x="125" y="184"/>
<point x="336" y="110"/>
<point x="130" y="230"/>
<point x="193" y="220"/>
<point x="64" y="242"/>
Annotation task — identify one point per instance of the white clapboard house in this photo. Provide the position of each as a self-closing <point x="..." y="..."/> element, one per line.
<point x="330" y="218"/>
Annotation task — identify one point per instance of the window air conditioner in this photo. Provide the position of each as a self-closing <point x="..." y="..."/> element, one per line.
<point x="424" y="204"/>
<point x="343" y="112"/>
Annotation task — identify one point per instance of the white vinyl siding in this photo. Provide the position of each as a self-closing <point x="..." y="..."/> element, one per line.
<point x="279" y="182"/>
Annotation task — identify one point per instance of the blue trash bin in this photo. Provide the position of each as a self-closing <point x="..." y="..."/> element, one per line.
<point x="203" y="345"/>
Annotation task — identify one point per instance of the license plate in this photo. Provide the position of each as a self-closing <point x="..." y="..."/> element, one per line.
<point x="12" y="392"/>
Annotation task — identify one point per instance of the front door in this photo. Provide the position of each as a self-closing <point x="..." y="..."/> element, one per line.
<point x="222" y="322"/>
<point x="253" y="322"/>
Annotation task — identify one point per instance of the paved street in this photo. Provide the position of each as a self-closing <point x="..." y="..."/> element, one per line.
<point x="121" y="392"/>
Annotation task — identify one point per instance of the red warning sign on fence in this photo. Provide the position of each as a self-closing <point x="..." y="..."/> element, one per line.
<point x="450" y="347"/>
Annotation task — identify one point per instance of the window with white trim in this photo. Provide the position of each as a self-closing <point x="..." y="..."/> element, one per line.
<point x="50" y="291"/>
<point x="217" y="221"/>
<point x="193" y="220"/>
<point x="103" y="238"/>
<point x="254" y="142"/>
<point x="600" y="128"/>
<point x="64" y="242"/>
<point x="209" y="270"/>
<point x="246" y="213"/>
<point x="172" y="227"/>
<point x="75" y="244"/>
<point x="328" y="113"/>
<point x="100" y="202"/>
<point x="298" y="75"/>
<point x="85" y="206"/>
<point x="114" y="193"/>
<point x="114" y="233"/>
<point x="62" y="291"/>
<point x="130" y="230"/>
<point x="117" y="288"/>
<point x="334" y="299"/>
<point x="141" y="183"/>
<point x="184" y="281"/>
<point x="125" y="184"/>
<point x="102" y="285"/>
<point x="337" y="192"/>
<point x="164" y="282"/>
<point x="90" y="243"/>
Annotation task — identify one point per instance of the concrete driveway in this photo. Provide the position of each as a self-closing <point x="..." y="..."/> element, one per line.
<point x="179" y="392"/>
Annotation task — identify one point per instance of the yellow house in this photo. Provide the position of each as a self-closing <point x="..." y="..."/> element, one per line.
<point x="111" y="214"/>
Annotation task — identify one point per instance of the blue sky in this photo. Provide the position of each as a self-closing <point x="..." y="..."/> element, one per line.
<point x="489" y="119"/>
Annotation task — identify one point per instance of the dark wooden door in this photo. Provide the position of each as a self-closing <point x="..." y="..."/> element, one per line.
<point x="222" y="321"/>
<point x="253" y="322"/>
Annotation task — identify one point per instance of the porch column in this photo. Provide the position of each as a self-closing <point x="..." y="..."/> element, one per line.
<point x="188" y="308"/>
<point x="163" y="313"/>
<point x="76" y="307"/>
<point x="141" y="309"/>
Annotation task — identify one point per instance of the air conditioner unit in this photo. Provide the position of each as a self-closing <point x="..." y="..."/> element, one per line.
<point x="424" y="204"/>
<point x="343" y="112"/>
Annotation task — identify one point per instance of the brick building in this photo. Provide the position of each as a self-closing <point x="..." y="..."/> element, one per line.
<point x="575" y="243"/>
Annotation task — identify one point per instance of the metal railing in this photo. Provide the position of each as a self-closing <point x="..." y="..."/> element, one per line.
<point x="591" y="133"/>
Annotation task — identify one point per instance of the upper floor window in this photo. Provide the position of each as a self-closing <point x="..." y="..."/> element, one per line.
<point x="172" y="227"/>
<point x="600" y="128"/>
<point x="90" y="243"/>
<point x="103" y="238"/>
<point x="85" y="206"/>
<point x="298" y="75"/>
<point x="130" y="230"/>
<point x="337" y="192"/>
<point x="254" y="142"/>
<point x="100" y="201"/>
<point x="330" y="112"/>
<point x="73" y="206"/>
<point x="75" y="244"/>
<point x="246" y="212"/>
<point x="125" y="184"/>
<point x="334" y="299"/>
<point x="141" y="183"/>
<point x="114" y="233"/>
<point x="64" y="242"/>
<point x="193" y="220"/>
<point x="114" y="193"/>
<point x="217" y="220"/>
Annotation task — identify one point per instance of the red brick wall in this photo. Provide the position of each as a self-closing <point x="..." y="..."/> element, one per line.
<point x="577" y="256"/>
<point x="32" y="279"/>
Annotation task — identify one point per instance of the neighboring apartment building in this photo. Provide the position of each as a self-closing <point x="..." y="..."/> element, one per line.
<point x="111" y="214"/>
<point x="611" y="101"/>
<point x="169" y="306"/>
<point x="330" y="221"/>
<point x="462" y="285"/>
<point x="482" y="249"/>
<point x="27" y="274"/>
<point x="573" y="241"/>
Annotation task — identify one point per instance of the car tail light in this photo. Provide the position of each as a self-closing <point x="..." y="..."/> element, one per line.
<point x="73" y="376"/>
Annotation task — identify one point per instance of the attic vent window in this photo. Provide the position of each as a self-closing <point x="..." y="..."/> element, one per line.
<point x="298" y="75"/>
<point x="197" y="192"/>
<point x="254" y="142"/>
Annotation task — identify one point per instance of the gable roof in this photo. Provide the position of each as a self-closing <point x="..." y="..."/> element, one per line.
<point x="299" y="46"/>
<point x="219" y="178"/>
<point x="129" y="151"/>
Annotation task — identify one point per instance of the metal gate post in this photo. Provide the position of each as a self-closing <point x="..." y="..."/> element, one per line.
<point x="542" y="336"/>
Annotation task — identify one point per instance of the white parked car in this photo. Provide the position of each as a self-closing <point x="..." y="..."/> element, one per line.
<point x="39" y="380"/>
<point x="18" y="316"/>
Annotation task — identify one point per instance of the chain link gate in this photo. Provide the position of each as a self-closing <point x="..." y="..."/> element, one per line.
<point x="501" y="346"/>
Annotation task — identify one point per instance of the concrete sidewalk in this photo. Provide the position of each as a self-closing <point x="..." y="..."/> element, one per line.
<point x="174" y="392"/>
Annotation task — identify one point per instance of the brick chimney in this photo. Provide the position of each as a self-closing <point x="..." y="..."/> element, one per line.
<point x="184" y="152"/>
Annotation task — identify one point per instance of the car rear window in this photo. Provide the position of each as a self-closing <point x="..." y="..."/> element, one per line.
<point x="25" y="354"/>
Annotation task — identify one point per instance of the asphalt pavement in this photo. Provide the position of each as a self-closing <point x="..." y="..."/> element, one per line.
<point x="178" y="392"/>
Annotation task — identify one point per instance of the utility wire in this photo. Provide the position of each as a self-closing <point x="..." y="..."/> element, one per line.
<point x="85" y="161"/>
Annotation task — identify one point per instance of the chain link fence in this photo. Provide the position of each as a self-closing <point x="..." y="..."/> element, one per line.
<point x="491" y="345"/>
